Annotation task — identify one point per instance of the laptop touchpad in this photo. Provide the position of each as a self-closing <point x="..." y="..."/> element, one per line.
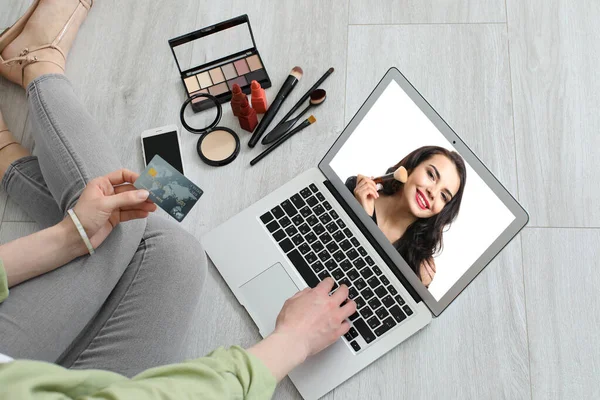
<point x="265" y="295"/>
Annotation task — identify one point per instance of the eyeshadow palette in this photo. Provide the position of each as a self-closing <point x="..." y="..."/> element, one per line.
<point x="212" y="59"/>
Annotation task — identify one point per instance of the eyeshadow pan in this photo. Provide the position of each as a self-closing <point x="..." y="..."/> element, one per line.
<point x="258" y="75"/>
<point x="241" y="66"/>
<point x="191" y="83"/>
<point x="218" y="89"/>
<point x="216" y="75"/>
<point x="229" y="71"/>
<point x="204" y="80"/>
<point x="199" y="99"/>
<point x="254" y="62"/>
<point x="240" y="80"/>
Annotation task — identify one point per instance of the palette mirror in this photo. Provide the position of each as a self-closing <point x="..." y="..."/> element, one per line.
<point x="220" y="45"/>
<point x="211" y="60"/>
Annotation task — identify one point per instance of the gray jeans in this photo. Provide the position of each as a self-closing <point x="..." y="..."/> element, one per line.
<point x="124" y="309"/>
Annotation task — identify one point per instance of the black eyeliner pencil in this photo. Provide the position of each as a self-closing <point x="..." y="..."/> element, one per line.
<point x="310" y="120"/>
<point x="291" y="81"/>
<point x="306" y="95"/>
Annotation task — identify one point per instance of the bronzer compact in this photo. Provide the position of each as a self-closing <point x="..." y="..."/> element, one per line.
<point x="212" y="59"/>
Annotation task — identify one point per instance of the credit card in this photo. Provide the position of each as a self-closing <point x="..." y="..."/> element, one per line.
<point x="168" y="188"/>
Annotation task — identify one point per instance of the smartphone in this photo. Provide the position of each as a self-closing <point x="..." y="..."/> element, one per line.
<point x="163" y="141"/>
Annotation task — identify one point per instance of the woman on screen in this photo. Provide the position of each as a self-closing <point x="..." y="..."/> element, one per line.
<point x="413" y="215"/>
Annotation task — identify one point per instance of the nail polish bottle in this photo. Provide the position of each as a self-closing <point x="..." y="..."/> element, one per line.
<point x="237" y="99"/>
<point x="247" y="117"/>
<point x="259" y="98"/>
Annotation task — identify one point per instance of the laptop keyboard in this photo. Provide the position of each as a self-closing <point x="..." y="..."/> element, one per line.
<point x="319" y="244"/>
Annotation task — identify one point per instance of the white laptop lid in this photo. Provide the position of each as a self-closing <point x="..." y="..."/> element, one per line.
<point x="467" y="220"/>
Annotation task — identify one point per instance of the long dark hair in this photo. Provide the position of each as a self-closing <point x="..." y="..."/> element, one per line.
<point x="424" y="237"/>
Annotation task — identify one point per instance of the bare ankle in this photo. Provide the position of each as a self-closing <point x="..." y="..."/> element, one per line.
<point x="33" y="71"/>
<point x="10" y="151"/>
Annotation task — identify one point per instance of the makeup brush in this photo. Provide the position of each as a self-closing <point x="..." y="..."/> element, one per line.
<point x="288" y="85"/>
<point x="400" y="174"/>
<point x="317" y="97"/>
<point x="305" y="95"/>
<point x="310" y="120"/>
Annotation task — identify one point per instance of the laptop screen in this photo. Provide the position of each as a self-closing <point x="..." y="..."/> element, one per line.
<point x="445" y="216"/>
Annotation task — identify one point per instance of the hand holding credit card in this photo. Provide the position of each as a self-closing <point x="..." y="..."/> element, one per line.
<point x="168" y="188"/>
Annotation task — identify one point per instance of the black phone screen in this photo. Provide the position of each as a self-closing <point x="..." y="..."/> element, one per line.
<point x="165" y="145"/>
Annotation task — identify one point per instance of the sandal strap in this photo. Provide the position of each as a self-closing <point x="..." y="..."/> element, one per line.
<point x="6" y="140"/>
<point x="7" y="144"/>
<point x="25" y="59"/>
<point x="23" y="56"/>
<point x="66" y="27"/>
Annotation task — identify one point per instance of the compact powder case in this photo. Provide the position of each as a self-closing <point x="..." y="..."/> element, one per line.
<point x="212" y="59"/>
<point x="217" y="145"/>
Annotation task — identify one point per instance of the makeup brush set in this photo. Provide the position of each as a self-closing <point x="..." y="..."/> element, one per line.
<point x="285" y="128"/>
<point x="234" y="70"/>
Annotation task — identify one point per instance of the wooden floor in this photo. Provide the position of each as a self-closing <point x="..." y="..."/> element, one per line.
<point x="517" y="79"/>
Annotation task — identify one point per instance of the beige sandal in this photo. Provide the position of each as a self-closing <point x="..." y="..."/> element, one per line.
<point x="24" y="58"/>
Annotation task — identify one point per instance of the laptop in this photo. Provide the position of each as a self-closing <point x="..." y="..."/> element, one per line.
<point x="404" y="259"/>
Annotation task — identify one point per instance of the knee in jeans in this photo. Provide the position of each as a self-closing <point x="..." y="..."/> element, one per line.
<point x="184" y="259"/>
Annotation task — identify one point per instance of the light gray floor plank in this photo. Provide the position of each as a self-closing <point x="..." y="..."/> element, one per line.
<point x="123" y="70"/>
<point x="463" y="71"/>
<point x="563" y="311"/>
<point x="554" y="55"/>
<point x="426" y="11"/>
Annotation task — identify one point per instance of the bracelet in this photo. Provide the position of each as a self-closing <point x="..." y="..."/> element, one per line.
<point x="81" y="231"/>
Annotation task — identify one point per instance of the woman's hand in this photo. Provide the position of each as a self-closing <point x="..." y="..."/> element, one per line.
<point x="366" y="193"/>
<point x="427" y="271"/>
<point x="108" y="200"/>
<point x="314" y="318"/>
<point x="309" y="321"/>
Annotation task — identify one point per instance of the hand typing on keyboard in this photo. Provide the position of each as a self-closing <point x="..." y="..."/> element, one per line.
<point x="309" y="321"/>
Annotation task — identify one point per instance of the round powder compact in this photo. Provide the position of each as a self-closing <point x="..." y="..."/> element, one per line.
<point x="217" y="145"/>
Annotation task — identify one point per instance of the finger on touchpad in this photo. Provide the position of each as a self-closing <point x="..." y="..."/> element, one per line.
<point x="265" y="295"/>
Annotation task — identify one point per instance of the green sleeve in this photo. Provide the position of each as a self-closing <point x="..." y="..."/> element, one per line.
<point x="3" y="283"/>
<point x="223" y="374"/>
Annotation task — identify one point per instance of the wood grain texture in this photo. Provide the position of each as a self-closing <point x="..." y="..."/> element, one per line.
<point x="122" y="68"/>
<point x="554" y="63"/>
<point x="462" y="71"/>
<point x="477" y="348"/>
<point x="426" y="11"/>
<point x="563" y="311"/>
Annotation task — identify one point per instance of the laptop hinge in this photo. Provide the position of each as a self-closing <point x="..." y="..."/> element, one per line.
<point x="373" y="242"/>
